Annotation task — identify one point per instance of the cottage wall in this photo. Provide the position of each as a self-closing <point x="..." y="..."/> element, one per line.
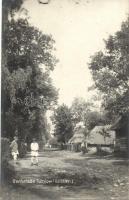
<point x="122" y="136"/>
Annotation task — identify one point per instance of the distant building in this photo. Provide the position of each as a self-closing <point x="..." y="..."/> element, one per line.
<point x="53" y="143"/>
<point x="74" y="144"/>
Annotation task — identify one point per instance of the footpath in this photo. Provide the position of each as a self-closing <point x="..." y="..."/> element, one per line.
<point x="67" y="175"/>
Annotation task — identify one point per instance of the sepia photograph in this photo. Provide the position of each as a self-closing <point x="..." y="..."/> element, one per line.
<point x="64" y="100"/>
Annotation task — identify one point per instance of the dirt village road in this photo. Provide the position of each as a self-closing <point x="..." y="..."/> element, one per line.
<point x="68" y="175"/>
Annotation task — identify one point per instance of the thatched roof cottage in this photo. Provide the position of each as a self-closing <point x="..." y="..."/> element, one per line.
<point x="101" y="135"/>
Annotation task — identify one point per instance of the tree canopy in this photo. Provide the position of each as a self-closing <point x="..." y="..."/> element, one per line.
<point x="27" y="89"/>
<point x="110" y="71"/>
<point x="62" y="121"/>
<point x="79" y="109"/>
<point x="83" y="111"/>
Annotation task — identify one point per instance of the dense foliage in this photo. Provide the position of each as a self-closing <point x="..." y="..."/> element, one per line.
<point x="62" y="121"/>
<point x="84" y="112"/>
<point x="27" y="89"/>
<point x="110" y="71"/>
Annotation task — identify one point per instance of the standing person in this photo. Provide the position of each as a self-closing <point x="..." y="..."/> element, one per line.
<point x="34" y="152"/>
<point x="84" y="147"/>
<point x="14" y="149"/>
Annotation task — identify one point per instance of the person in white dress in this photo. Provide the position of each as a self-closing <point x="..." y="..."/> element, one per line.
<point x="34" y="152"/>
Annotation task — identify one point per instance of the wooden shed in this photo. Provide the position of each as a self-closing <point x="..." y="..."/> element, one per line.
<point x="121" y="127"/>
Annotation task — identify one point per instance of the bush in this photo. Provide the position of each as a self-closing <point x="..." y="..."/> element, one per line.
<point x="5" y="149"/>
<point x="5" y="156"/>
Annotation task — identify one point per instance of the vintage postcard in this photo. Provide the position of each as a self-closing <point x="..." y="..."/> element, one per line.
<point x="65" y="100"/>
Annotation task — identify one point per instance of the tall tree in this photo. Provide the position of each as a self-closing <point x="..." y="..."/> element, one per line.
<point x="27" y="88"/>
<point x="83" y="114"/>
<point x="9" y="7"/>
<point x="92" y="119"/>
<point x="110" y="71"/>
<point x="79" y="109"/>
<point x="62" y="121"/>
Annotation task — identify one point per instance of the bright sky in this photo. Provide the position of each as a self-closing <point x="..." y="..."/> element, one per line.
<point x="79" y="30"/>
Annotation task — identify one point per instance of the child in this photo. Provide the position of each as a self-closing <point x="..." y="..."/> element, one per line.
<point x="34" y="152"/>
<point x="14" y="149"/>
